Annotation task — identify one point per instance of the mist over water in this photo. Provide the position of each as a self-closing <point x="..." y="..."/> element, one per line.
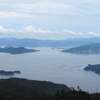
<point x="51" y="65"/>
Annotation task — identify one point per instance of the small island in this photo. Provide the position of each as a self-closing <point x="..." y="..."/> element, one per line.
<point x="16" y="50"/>
<point x="94" y="68"/>
<point x="84" y="49"/>
<point x="9" y="73"/>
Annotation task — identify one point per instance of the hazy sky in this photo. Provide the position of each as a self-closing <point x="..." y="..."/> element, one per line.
<point x="49" y="19"/>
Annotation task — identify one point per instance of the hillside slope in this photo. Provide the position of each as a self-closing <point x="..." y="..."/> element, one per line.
<point x="23" y="88"/>
<point x="85" y="49"/>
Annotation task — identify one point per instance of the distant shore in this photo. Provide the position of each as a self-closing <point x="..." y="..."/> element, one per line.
<point x="9" y="73"/>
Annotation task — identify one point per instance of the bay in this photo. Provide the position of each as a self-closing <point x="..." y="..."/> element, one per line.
<point x="50" y="64"/>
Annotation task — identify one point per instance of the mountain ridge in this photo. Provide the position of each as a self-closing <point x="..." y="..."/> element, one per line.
<point x="84" y="49"/>
<point x="28" y="42"/>
<point x="25" y="88"/>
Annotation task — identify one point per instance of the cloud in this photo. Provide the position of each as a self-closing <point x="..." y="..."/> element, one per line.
<point x="68" y="32"/>
<point x="13" y="15"/>
<point x="92" y="33"/>
<point x="72" y="33"/>
<point x="56" y="19"/>
<point x="31" y="29"/>
<point x="31" y="32"/>
<point x="47" y="8"/>
<point x="67" y="12"/>
<point x="3" y="30"/>
<point x="20" y="1"/>
<point x="98" y="23"/>
<point x="39" y="11"/>
<point x="51" y="7"/>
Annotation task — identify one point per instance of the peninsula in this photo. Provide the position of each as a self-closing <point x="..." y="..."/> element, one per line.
<point x="94" y="68"/>
<point x="85" y="49"/>
<point x="16" y="50"/>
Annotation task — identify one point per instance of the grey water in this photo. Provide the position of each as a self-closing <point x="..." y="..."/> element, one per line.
<point x="52" y="65"/>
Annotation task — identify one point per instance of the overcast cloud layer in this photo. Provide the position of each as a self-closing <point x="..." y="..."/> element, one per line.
<point x="49" y="19"/>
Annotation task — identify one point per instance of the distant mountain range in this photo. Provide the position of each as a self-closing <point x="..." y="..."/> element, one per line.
<point x="85" y="49"/>
<point x="27" y="42"/>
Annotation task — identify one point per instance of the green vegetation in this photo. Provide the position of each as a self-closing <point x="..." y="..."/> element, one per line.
<point x="16" y="50"/>
<point x="72" y="95"/>
<point x="94" y="68"/>
<point x="85" y="49"/>
<point x="23" y="89"/>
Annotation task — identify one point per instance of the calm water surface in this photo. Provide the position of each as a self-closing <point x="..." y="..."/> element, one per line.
<point x="51" y="65"/>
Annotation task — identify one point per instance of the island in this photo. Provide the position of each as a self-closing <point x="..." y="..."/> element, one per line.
<point x="94" y="68"/>
<point x="9" y="73"/>
<point x="16" y="50"/>
<point x="84" y="49"/>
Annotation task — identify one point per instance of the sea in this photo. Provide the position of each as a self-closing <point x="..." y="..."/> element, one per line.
<point x="50" y="64"/>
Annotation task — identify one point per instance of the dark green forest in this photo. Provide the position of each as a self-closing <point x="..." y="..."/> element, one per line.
<point x="24" y="89"/>
<point x="72" y="95"/>
<point x="18" y="88"/>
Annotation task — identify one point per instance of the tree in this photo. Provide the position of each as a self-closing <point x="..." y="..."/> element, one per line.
<point x="62" y="91"/>
<point x="72" y="88"/>
<point x="79" y="89"/>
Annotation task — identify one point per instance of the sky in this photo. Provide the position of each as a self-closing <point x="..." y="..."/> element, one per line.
<point x="50" y="19"/>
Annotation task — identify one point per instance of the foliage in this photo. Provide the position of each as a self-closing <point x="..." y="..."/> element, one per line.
<point x="23" y="89"/>
<point x="72" y="95"/>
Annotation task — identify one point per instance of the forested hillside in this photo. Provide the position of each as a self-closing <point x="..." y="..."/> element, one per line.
<point x="85" y="49"/>
<point x="24" y="89"/>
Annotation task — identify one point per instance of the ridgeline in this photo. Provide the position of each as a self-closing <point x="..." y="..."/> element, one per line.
<point x="24" y="89"/>
<point x="85" y="49"/>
